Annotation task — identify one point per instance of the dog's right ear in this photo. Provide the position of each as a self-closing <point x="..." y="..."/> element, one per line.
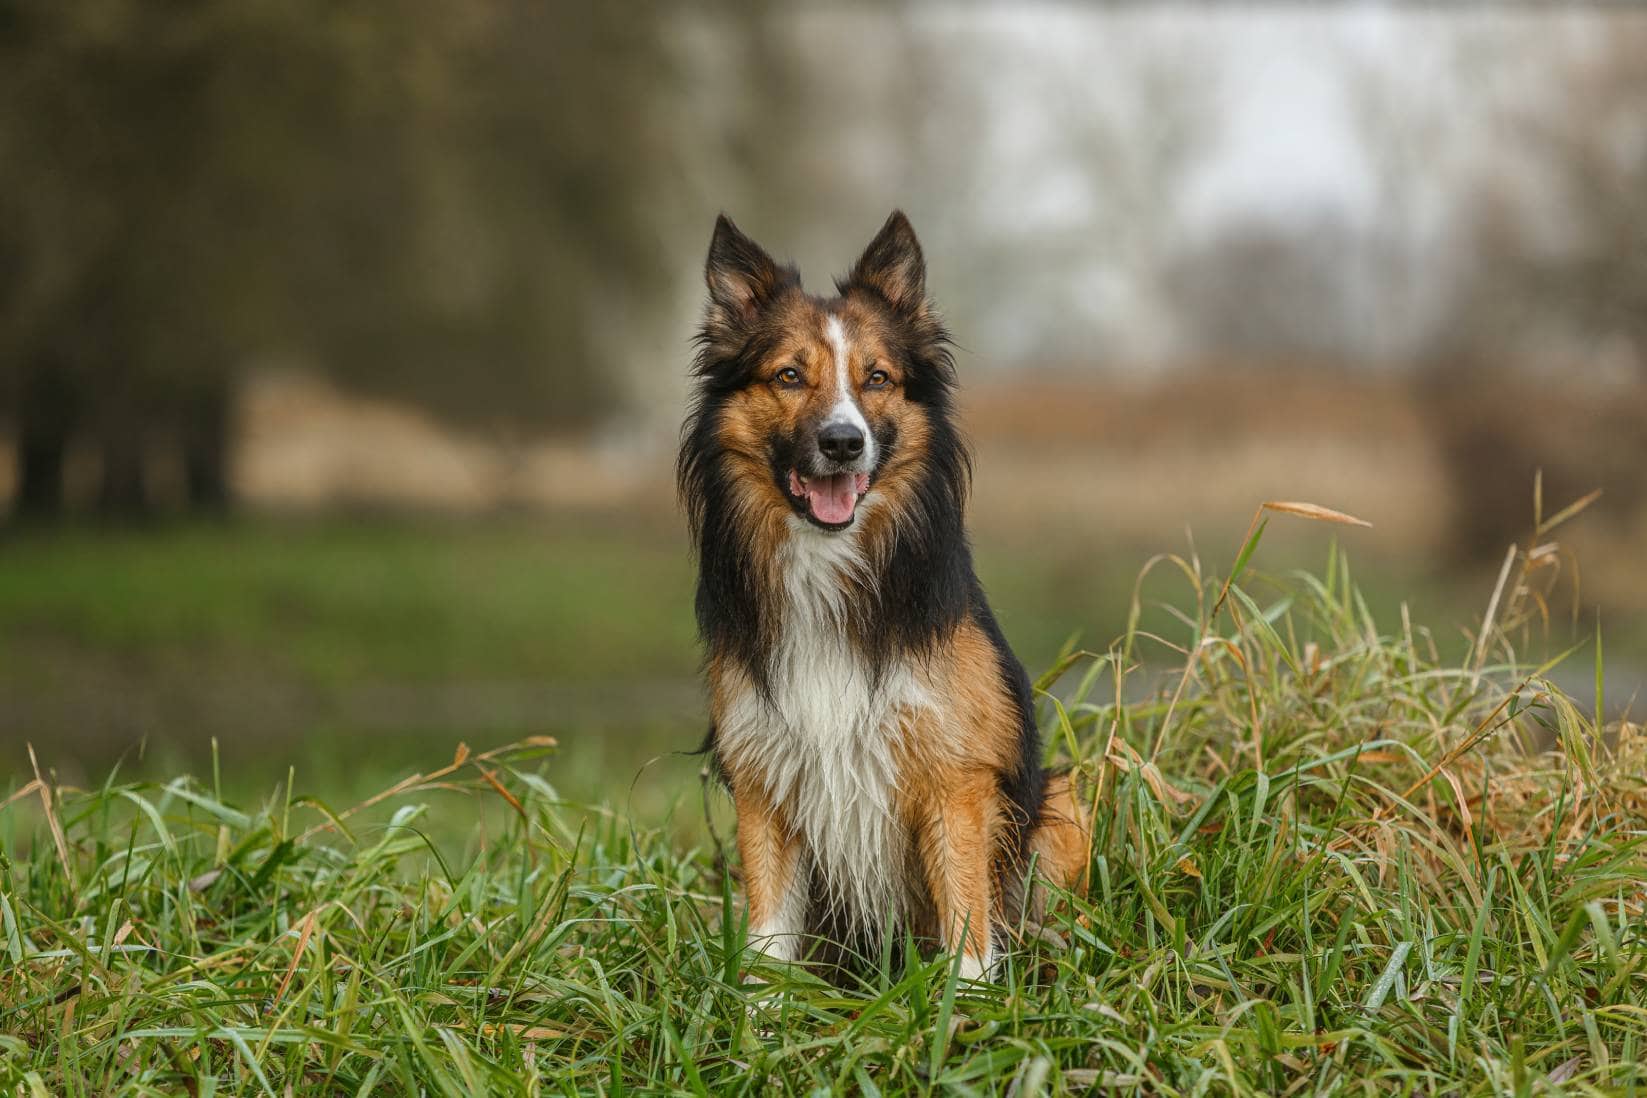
<point x="741" y="277"/>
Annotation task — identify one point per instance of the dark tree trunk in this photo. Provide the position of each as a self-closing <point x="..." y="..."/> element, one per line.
<point x="206" y="436"/>
<point x="39" y="474"/>
<point x="47" y="408"/>
<point x="124" y="494"/>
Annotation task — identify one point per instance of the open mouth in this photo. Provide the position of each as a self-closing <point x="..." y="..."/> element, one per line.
<point x="832" y="500"/>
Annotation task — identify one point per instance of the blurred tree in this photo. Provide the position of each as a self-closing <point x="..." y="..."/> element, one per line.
<point x="1273" y="291"/>
<point x="148" y="177"/>
<point x="1514" y="201"/>
<point x="447" y="203"/>
<point x="1582" y="152"/>
<point x="493" y="239"/>
<point x="1554" y="289"/>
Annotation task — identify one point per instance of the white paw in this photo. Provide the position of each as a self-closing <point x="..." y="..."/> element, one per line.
<point x="775" y="944"/>
<point x="976" y="969"/>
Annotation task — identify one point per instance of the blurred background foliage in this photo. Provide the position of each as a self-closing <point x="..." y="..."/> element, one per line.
<point x="345" y="273"/>
<point x="432" y="203"/>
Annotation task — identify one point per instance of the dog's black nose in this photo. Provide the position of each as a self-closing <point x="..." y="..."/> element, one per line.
<point x="840" y="442"/>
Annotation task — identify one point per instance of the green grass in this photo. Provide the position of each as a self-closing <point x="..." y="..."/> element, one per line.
<point x="1325" y="860"/>
<point x="335" y="644"/>
<point x="338" y="601"/>
<point x="303" y="641"/>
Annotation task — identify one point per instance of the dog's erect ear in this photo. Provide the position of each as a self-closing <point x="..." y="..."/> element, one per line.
<point x="893" y="266"/>
<point x="741" y="278"/>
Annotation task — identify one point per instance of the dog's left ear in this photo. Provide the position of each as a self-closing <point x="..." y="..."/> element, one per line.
<point x="893" y="266"/>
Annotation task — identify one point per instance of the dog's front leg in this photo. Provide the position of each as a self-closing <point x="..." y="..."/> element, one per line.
<point x="956" y="851"/>
<point x="774" y="881"/>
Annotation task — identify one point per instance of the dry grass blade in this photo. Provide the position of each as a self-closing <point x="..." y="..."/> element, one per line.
<point x="525" y="1032"/>
<point x="57" y="837"/>
<point x="1313" y="511"/>
<point x="1479" y="658"/>
<point x="1485" y="728"/>
<point x="459" y="758"/>
<point x="1124" y="757"/>
<point x="502" y="791"/>
<point x="1568" y="512"/>
<point x="27" y="790"/>
<point x="297" y="955"/>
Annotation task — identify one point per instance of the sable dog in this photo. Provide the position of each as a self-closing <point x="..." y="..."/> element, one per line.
<point x="877" y="733"/>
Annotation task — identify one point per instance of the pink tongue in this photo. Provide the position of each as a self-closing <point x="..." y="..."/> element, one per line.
<point x="832" y="499"/>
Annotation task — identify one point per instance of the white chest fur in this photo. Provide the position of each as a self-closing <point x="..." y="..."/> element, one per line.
<point x="826" y="742"/>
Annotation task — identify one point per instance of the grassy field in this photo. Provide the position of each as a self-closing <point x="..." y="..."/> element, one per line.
<point x="353" y="647"/>
<point x="348" y="648"/>
<point x="1329" y="856"/>
<point x="306" y="642"/>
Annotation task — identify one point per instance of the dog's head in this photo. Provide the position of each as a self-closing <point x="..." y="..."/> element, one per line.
<point x="811" y="404"/>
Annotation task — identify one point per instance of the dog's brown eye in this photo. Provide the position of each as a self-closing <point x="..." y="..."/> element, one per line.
<point x="787" y="376"/>
<point x="878" y="379"/>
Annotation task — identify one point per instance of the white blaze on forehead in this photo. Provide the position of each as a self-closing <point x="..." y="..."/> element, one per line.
<point x="846" y="408"/>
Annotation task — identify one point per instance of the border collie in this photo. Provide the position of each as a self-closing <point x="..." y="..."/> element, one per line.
<point x="876" y="731"/>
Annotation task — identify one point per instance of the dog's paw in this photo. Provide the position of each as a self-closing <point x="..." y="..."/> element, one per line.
<point x="976" y="969"/>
